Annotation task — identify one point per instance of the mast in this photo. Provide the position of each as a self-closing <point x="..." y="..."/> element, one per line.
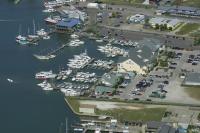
<point x="33" y="26"/>
<point x="66" y="129"/>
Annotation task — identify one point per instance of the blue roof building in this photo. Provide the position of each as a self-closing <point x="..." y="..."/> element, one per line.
<point x="67" y="24"/>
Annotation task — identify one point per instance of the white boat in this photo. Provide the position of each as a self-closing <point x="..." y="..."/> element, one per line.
<point x="10" y="80"/>
<point x="41" y="32"/>
<point x="22" y="40"/>
<point x="99" y="40"/>
<point x="97" y="130"/>
<point x="45" y="75"/>
<point x="46" y="37"/>
<point x="43" y="57"/>
<point x="52" y="20"/>
<point x="74" y="36"/>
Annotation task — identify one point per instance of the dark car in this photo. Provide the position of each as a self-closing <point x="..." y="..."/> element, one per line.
<point x="166" y="82"/>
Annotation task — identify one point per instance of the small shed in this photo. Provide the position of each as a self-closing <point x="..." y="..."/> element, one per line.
<point x="87" y="108"/>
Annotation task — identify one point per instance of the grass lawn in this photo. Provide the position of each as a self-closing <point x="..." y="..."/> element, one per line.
<point x="193" y="92"/>
<point x="74" y="103"/>
<point x="146" y="114"/>
<point x="122" y="2"/>
<point x="194" y="3"/>
<point x="187" y="28"/>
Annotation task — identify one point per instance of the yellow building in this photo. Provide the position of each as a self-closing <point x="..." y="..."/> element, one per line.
<point x="130" y="66"/>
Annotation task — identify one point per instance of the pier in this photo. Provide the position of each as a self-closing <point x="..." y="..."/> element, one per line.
<point x="56" y="50"/>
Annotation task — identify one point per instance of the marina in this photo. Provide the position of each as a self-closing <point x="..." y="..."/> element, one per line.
<point x="79" y="61"/>
<point x="111" y="51"/>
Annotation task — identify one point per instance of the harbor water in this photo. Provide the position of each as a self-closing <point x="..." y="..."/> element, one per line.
<point x="26" y="108"/>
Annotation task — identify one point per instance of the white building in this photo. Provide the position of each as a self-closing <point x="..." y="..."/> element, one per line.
<point x="93" y="5"/>
<point x="138" y="18"/>
<point x="171" y="23"/>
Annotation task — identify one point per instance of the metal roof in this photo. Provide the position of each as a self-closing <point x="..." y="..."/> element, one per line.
<point x="69" y="23"/>
<point x="192" y="78"/>
<point x="146" y="50"/>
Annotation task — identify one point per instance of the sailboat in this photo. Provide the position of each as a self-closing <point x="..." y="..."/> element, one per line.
<point x="22" y="40"/>
<point x="33" y="36"/>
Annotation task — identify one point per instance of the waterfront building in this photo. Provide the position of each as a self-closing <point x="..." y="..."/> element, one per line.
<point x="67" y="25"/>
<point x="109" y="79"/>
<point x="100" y="90"/>
<point x="140" y="59"/>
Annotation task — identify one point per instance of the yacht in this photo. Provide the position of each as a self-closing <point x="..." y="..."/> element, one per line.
<point x="46" y="37"/>
<point x="52" y="20"/>
<point x="45" y="75"/>
<point x="45" y="86"/>
<point x="41" y="32"/>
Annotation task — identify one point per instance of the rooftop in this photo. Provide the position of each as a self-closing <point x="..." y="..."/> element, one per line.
<point x="68" y="23"/>
<point x="192" y="78"/>
<point x="144" y="53"/>
<point x="103" y="89"/>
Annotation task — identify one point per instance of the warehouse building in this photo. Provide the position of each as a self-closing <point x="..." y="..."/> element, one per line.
<point x="192" y="79"/>
<point x="171" y="23"/>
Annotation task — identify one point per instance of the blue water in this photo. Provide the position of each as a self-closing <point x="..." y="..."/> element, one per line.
<point x="24" y="107"/>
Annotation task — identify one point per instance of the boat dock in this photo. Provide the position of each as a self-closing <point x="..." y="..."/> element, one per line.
<point x="58" y="49"/>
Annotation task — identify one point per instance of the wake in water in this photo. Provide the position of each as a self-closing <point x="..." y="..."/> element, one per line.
<point x="8" y="20"/>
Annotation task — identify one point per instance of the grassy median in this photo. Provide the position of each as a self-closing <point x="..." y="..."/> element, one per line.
<point x="193" y="92"/>
<point x="188" y="28"/>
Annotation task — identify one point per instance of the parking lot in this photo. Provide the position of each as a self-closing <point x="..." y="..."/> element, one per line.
<point x="166" y="84"/>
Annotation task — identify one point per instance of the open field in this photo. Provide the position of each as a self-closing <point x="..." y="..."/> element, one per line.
<point x="193" y="92"/>
<point x="188" y="28"/>
<point x="146" y="114"/>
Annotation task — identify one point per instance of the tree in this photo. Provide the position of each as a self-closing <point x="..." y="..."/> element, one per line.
<point x="157" y="26"/>
<point x="165" y="27"/>
<point x="170" y="28"/>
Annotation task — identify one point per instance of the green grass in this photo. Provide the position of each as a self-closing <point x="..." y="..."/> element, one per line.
<point x="146" y="114"/>
<point x="193" y="92"/>
<point x="194" y="3"/>
<point x="188" y="28"/>
<point x="122" y="2"/>
<point x="74" y="103"/>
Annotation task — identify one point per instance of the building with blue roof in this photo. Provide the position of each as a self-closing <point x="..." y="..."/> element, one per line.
<point x="67" y="24"/>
